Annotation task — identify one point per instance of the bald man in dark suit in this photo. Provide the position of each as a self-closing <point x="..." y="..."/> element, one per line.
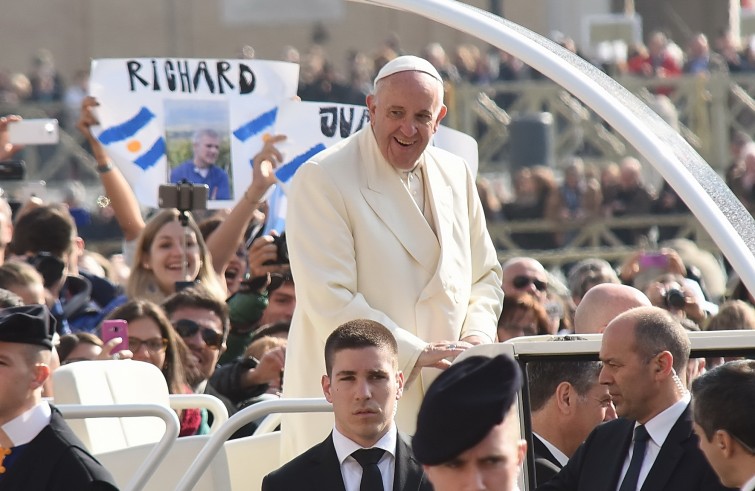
<point x="652" y="445"/>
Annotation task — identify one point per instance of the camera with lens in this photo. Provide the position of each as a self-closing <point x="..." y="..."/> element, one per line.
<point x="50" y="267"/>
<point x="282" y="245"/>
<point x="675" y="299"/>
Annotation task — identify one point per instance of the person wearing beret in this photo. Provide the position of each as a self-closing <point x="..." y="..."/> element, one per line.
<point x="652" y="445"/>
<point x="365" y="451"/>
<point x="468" y="434"/>
<point x="385" y="226"/>
<point x="38" y="451"/>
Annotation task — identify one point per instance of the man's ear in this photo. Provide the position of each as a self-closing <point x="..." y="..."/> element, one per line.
<point x="521" y="451"/>
<point x="79" y="246"/>
<point x="725" y="443"/>
<point x="441" y="115"/>
<point x="371" y="107"/>
<point x="565" y="395"/>
<point x="664" y="364"/>
<point x="400" y="382"/>
<point x="325" y="382"/>
<point x="41" y="373"/>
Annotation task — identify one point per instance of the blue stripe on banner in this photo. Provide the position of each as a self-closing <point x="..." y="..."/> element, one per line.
<point x="151" y="156"/>
<point x="127" y="129"/>
<point x="253" y="127"/>
<point x="287" y="171"/>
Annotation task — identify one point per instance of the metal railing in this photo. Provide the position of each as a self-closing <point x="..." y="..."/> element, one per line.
<point x="594" y="237"/>
<point x="152" y="462"/>
<point x="251" y="413"/>
<point x="708" y="108"/>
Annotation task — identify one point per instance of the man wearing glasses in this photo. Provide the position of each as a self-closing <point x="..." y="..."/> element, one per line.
<point x="202" y="322"/>
<point x="525" y="275"/>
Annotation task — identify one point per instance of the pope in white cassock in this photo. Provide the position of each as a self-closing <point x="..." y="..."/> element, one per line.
<point x="383" y="227"/>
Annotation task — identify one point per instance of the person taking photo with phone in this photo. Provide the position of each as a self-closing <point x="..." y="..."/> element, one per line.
<point x="156" y="266"/>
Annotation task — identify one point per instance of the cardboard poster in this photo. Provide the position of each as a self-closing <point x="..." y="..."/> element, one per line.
<point x="166" y="119"/>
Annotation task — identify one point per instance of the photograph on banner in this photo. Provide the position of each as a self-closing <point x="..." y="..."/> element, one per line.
<point x="311" y="127"/>
<point x="163" y="120"/>
<point x="198" y="145"/>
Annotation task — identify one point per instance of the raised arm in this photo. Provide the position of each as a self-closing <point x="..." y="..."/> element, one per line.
<point x="224" y="241"/>
<point x="122" y="198"/>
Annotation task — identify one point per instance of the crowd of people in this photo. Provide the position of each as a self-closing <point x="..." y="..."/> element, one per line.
<point x="396" y="275"/>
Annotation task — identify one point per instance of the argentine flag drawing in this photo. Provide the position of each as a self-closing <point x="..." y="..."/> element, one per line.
<point x="138" y="139"/>
<point x="256" y="126"/>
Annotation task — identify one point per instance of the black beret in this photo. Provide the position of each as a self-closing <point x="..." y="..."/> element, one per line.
<point x="462" y="405"/>
<point x="28" y="324"/>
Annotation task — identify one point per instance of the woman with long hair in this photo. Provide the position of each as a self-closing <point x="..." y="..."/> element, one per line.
<point x="221" y="246"/>
<point x="152" y="339"/>
<point x="160" y="257"/>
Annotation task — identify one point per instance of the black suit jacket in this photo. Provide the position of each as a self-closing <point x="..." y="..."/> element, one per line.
<point x="546" y="465"/>
<point x="318" y="469"/>
<point x="56" y="460"/>
<point x="597" y="464"/>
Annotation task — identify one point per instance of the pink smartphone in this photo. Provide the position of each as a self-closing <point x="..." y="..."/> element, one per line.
<point x="115" y="328"/>
<point x="653" y="260"/>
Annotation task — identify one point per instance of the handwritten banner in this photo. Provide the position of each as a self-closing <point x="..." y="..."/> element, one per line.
<point x="203" y="120"/>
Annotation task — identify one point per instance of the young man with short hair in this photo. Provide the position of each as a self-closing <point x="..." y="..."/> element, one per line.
<point x="364" y="450"/>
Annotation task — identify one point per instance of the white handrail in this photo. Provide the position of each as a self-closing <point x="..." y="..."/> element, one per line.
<point x="156" y="455"/>
<point x="205" y="401"/>
<point x="268" y="424"/>
<point x="246" y="415"/>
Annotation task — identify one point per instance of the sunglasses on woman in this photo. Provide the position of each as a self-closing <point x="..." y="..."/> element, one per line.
<point x="187" y="328"/>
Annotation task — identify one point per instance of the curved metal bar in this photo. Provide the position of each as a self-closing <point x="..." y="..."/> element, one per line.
<point x="205" y="401"/>
<point x="156" y="455"/>
<point x="720" y="212"/>
<point x="251" y="413"/>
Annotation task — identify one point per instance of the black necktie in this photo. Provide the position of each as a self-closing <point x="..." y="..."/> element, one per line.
<point x="638" y="455"/>
<point x="368" y="459"/>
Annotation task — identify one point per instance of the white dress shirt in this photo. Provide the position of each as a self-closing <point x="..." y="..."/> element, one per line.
<point x="415" y="184"/>
<point x="24" y="428"/>
<point x="658" y="428"/>
<point x="558" y="454"/>
<point x="351" y="470"/>
<point x="749" y="485"/>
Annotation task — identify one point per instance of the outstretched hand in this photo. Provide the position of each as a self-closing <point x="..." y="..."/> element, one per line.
<point x="107" y="351"/>
<point x="265" y="163"/>
<point x="439" y="355"/>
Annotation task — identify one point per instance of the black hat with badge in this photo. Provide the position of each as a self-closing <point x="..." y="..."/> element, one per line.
<point x="462" y="405"/>
<point x="27" y="324"/>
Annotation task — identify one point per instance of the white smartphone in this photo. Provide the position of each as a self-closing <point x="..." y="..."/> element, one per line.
<point x="34" y="132"/>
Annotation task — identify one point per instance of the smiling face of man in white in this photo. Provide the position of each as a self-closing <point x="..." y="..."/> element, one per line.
<point x="363" y="386"/>
<point x="405" y="113"/>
